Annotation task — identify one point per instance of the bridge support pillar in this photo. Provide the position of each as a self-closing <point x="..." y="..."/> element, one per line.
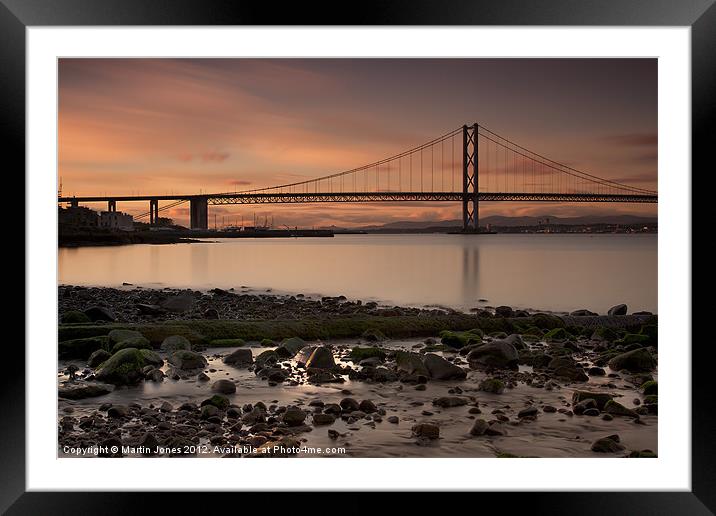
<point x="199" y="212"/>
<point x="153" y="211"/>
<point x="111" y="205"/>
<point x="470" y="221"/>
<point x="74" y="203"/>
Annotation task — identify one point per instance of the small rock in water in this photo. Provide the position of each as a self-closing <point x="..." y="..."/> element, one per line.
<point x="426" y="430"/>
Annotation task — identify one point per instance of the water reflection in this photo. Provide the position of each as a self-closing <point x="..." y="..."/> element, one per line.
<point x="551" y="272"/>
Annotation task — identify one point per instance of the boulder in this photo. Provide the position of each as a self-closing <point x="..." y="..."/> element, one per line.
<point x="493" y="385"/>
<point x="151" y="357"/>
<point x="179" y="303"/>
<point x="97" y="357"/>
<point x="175" y="343"/>
<point x="607" y="445"/>
<point x="267" y="357"/>
<point x="479" y="427"/>
<point x="133" y="342"/>
<point x="636" y="360"/>
<point x="147" y="309"/>
<point x="184" y="359"/>
<point x="618" y="310"/>
<point x="357" y="354"/>
<point x="617" y="409"/>
<point x="516" y="340"/>
<point x="323" y="419"/>
<point x="122" y="368"/>
<point x="81" y="348"/>
<point x="293" y="416"/>
<point x="373" y="335"/>
<point x="74" y="317"/>
<point x="240" y="357"/>
<point x="600" y="398"/>
<point x="303" y="355"/>
<point x="426" y="430"/>
<point x="410" y="363"/>
<point x="499" y="354"/>
<point x="321" y="358"/>
<point x="293" y="345"/>
<point x="78" y="391"/>
<point x="100" y="313"/>
<point x="440" y="369"/>
<point x="460" y="339"/>
<point x="504" y="311"/>
<point x="224" y="386"/>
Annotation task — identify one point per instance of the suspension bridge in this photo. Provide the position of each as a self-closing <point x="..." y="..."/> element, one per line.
<point x="468" y="165"/>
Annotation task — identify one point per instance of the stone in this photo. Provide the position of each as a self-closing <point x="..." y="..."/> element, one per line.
<point x="581" y="313"/>
<point x="187" y="360"/>
<point x="78" y="391"/>
<point x="498" y="354"/>
<point x="600" y="398"/>
<point x="449" y="401"/>
<point x="367" y="406"/>
<point x="374" y="335"/>
<point x="617" y="409"/>
<point x="74" y="317"/>
<point x="240" y="357"/>
<point x="618" y="310"/>
<point x="493" y="385"/>
<point x="323" y="419"/>
<point x="293" y="416"/>
<point x="208" y="411"/>
<point x="155" y="375"/>
<point x="133" y="342"/>
<point x="100" y="313"/>
<point x="636" y="360"/>
<point x="293" y="345"/>
<point x="426" y="430"/>
<point x="410" y="363"/>
<point x="117" y="411"/>
<point x="266" y="357"/>
<point x="203" y="377"/>
<point x="607" y="445"/>
<point x="321" y="358"/>
<point x="211" y="313"/>
<point x="393" y="419"/>
<point x="224" y="386"/>
<point x="440" y="369"/>
<point x="528" y="412"/>
<point x="218" y="400"/>
<point x="479" y="427"/>
<point x="151" y="357"/>
<point x="179" y="303"/>
<point x="574" y="373"/>
<point x="175" y="343"/>
<point x="650" y="387"/>
<point x="122" y="368"/>
<point x="516" y="340"/>
<point x="358" y="353"/>
<point x="97" y="357"/>
<point x="460" y="339"/>
<point x="148" y="309"/>
<point x="82" y="348"/>
<point x="349" y="404"/>
<point x="504" y="311"/>
<point x="584" y="405"/>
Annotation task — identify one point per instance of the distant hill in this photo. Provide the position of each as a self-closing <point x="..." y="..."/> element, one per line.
<point x="504" y="221"/>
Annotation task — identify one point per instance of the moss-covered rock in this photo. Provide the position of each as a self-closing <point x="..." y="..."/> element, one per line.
<point x="498" y="354"/>
<point x="633" y="338"/>
<point x="601" y="398"/>
<point x="410" y="363"/>
<point x="459" y="339"/>
<point x="267" y="343"/>
<point x="132" y="342"/>
<point x="97" y="357"/>
<point x="81" y="348"/>
<point x="74" y="317"/>
<point x="187" y="360"/>
<point x="293" y="345"/>
<point x="217" y="400"/>
<point x="547" y="321"/>
<point x="533" y="331"/>
<point x="123" y="368"/>
<point x="174" y="343"/>
<point x="493" y="385"/>
<point x="267" y="357"/>
<point x="151" y="357"/>
<point x="604" y="333"/>
<point x="358" y="353"/>
<point x="650" y="387"/>
<point x="617" y="409"/>
<point x="637" y="360"/>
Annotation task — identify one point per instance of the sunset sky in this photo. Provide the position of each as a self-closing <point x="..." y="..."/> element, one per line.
<point x="163" y="126"/>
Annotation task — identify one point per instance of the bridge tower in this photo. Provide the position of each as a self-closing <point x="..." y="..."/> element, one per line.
<point x="199" y="212"/>
<point x="153" y="211"/>
<point x="469" y="179"/>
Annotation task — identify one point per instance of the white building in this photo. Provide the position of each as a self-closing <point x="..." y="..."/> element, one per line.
<point x="116" y="220"/>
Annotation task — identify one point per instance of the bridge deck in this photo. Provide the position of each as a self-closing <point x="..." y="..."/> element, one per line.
<point x="287" y="198"/>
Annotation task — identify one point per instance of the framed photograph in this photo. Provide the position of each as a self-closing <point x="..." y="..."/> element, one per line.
<point x="382" y="254"/>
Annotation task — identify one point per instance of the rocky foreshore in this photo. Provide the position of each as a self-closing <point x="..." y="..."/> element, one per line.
<point x="181" y="378"/>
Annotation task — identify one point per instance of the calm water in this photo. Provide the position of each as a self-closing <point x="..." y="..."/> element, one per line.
<point x="548" y="272"/>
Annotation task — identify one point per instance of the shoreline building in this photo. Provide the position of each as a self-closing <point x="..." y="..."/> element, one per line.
<point x="116" y="220"/>
<point x="78" y="216"/>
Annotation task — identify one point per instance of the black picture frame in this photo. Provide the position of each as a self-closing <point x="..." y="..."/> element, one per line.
<point x="700" y="15"/>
